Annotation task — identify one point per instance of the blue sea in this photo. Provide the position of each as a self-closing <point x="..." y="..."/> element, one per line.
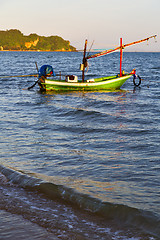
<point x="79" y="165"/>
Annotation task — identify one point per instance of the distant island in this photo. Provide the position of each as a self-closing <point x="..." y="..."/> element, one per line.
<point x="14" y="40"/>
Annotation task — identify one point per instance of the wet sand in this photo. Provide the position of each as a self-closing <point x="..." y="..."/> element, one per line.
<point x="13" y="226"/>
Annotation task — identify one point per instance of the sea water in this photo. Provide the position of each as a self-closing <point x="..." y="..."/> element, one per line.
<point x="79" y="165"/>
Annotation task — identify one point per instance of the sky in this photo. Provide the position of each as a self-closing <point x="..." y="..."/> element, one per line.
<point x="101" y="21"/>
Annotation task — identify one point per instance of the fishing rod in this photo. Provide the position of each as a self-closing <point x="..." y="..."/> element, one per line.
<point x="90" y="48"/>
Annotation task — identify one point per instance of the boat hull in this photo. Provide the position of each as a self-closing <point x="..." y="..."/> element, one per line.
<point x="105" y="83"/>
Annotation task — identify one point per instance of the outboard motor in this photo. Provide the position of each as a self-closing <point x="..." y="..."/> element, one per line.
<point x="46" y="71"/>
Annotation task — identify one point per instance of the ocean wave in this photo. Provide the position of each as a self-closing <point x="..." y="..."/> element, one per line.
<point x="119" y="213"/>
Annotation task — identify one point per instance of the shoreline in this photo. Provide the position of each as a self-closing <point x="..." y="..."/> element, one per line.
<point x="72" y="51"/>
<point x="37" y="51"/>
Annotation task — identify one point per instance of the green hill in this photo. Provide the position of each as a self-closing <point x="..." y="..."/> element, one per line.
<point x="13" y="39"/>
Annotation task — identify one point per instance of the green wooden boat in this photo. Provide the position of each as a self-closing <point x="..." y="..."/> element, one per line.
<point x="71" y="82"/>
<point x="96" y="84"/>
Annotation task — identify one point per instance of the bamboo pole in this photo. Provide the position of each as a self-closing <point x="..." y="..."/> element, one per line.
<point x="84" y="60"/>
<point x="121" y="53"/>
<point x="117" y="48"/>
<point x="30" y="75"/>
